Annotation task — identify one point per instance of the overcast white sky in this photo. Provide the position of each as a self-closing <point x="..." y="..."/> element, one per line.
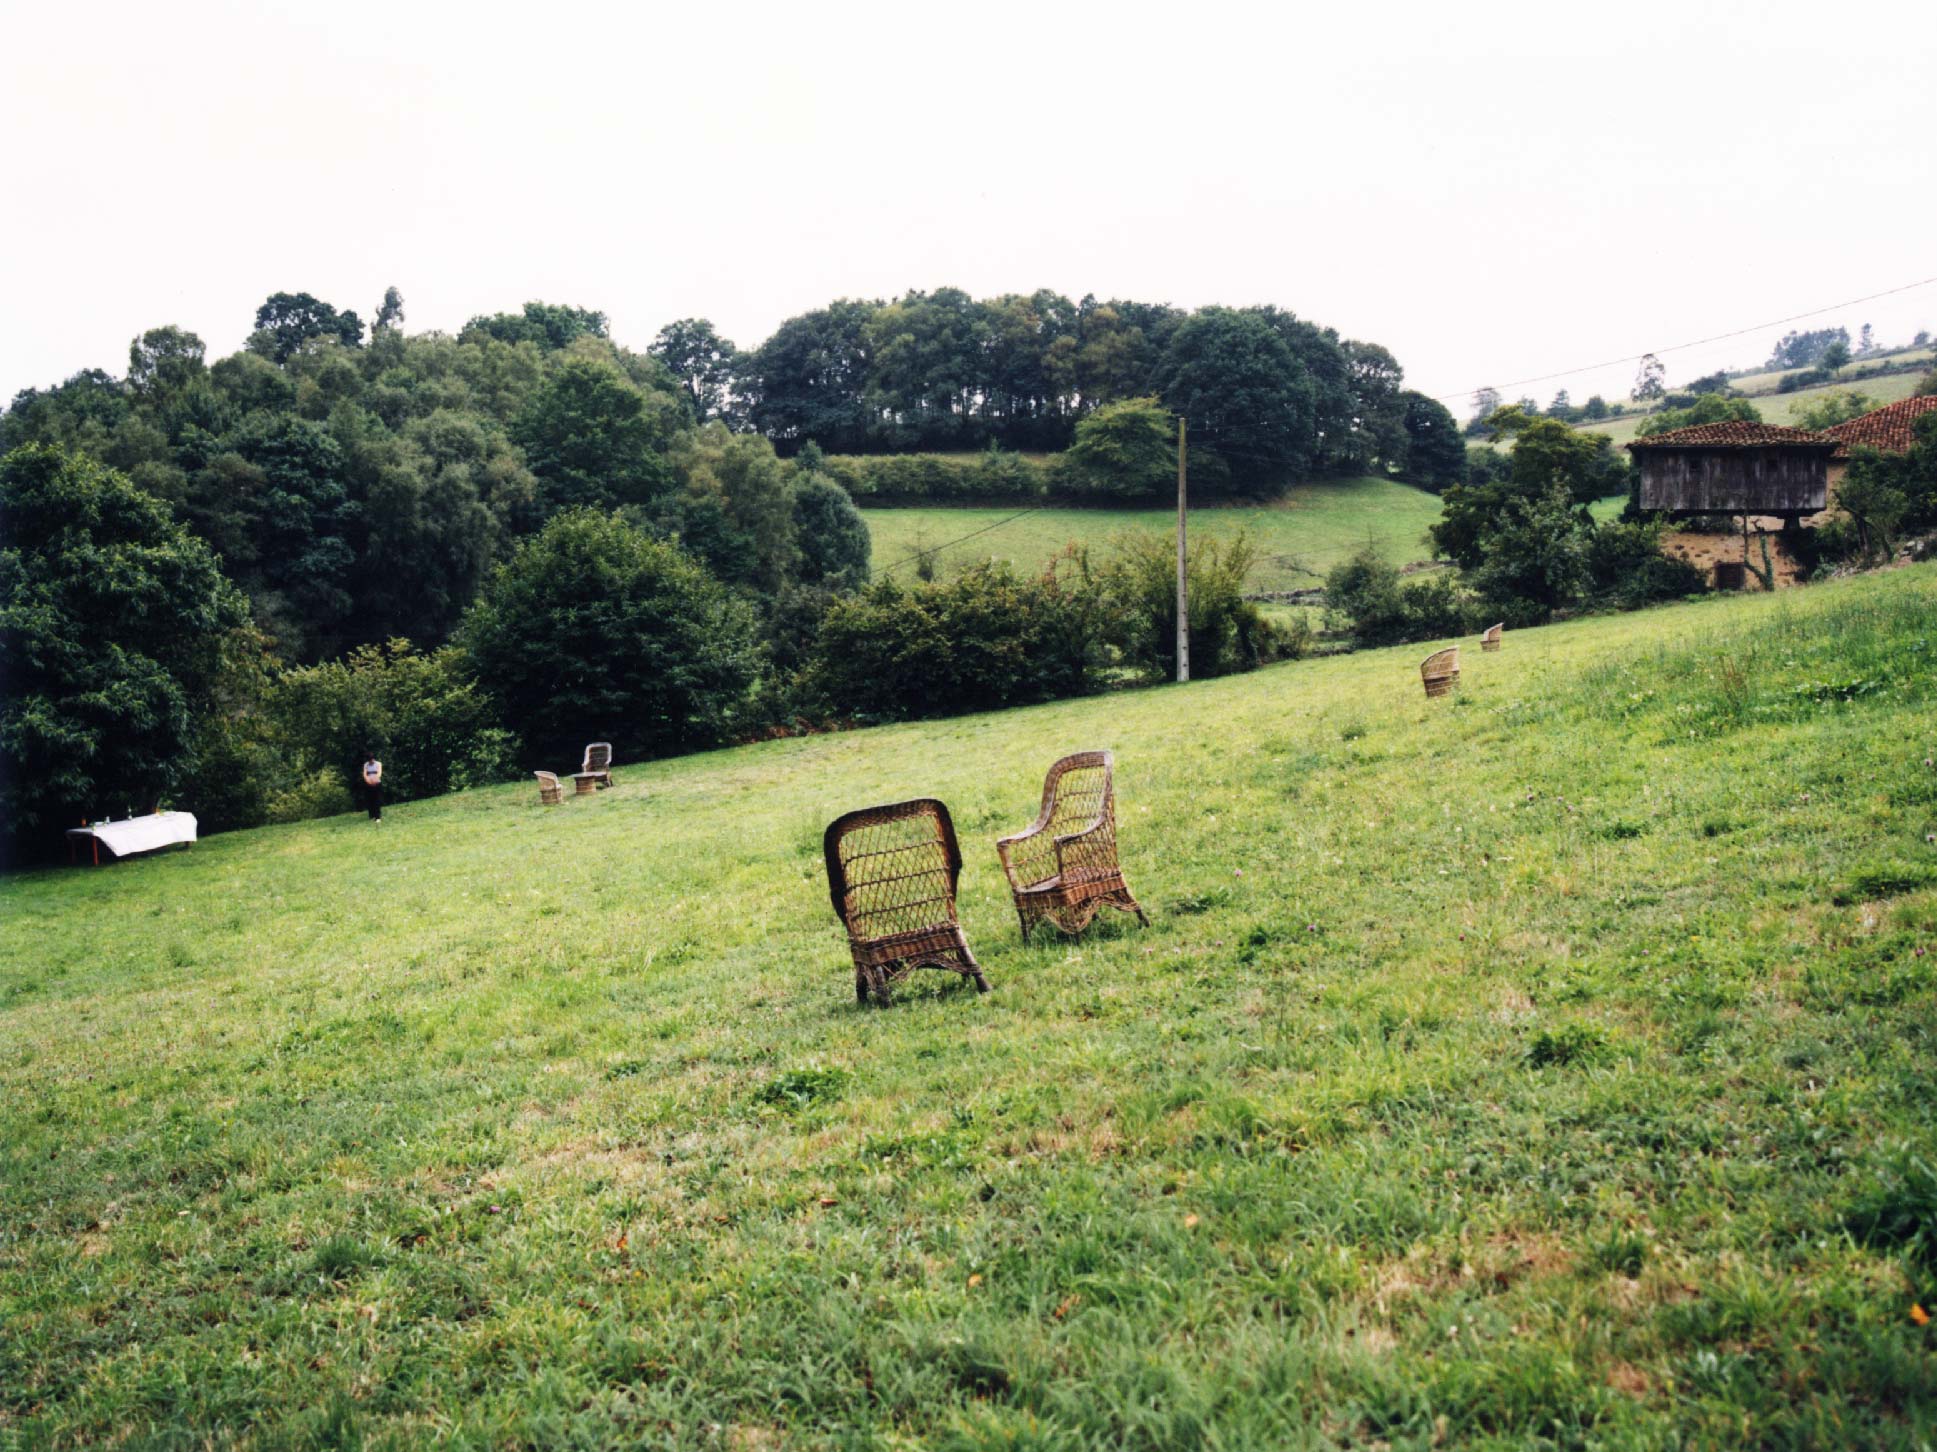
<point x="1491" y="191"/>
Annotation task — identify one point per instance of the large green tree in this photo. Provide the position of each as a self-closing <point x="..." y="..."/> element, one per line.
<point x="591" y="440"/>
<point x="112" y="620"/>
<point x="703" y="362"/>
<point x="1435" y="454"/>
<point x="595" y="631"/>
<point x="1248" y="398"/>
<point x="287" y="320"/>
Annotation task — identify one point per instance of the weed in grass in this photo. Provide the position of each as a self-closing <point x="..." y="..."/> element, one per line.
<point x="1574" y="1043"/>
<point x="797" y="1088"/>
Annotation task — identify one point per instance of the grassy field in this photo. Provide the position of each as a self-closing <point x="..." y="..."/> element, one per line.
<point x="1784" y="408"/>
<point x="1760" y="383"/>
<point x="1298" y="539"/>
<point x="1553" y="1065"/>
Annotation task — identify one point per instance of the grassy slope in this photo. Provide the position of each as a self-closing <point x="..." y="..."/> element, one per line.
<point x="1298" y="540"/>
<point x="1497" y="1070"/>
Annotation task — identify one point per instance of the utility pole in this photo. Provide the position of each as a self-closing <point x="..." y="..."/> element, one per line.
<point x="1183" y="584"/>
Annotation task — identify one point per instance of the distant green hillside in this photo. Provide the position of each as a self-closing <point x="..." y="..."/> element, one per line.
<point x="1298" y="539"/>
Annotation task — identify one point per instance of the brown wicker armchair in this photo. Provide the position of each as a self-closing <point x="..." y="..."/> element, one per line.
<point x="891" y="874"/>
<point x="598" y="762"/>
<point x="1440" y="671"/>
<point x="1490" y="637"/>
<point x="1064" y="867"/>
<point x="550" y="793"/>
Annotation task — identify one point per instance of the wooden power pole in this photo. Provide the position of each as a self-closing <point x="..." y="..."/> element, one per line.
<point x="1183" y="584"/>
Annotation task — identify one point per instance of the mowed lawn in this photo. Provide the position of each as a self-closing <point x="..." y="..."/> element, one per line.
<point x="1552" y="1065"/>
<point x="1297" y="539"/>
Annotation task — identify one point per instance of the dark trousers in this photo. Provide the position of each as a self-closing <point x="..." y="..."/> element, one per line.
<point x="373" y="794"/>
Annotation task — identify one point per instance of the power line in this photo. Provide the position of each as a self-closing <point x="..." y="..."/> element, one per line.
<point x="1682" y="347"/>
<point x="949" y="545"/>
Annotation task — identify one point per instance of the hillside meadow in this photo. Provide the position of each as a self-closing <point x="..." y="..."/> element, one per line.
<point x="1546" y="1066"/>
<point x="1298" y="538"/>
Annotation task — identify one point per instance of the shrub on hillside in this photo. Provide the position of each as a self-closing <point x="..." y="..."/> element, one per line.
<point x="594" y="631"/>
<point x="986" y="639"/>
<point x="1627" y="568"/>
<point x="1367" y="597"/>
<point x="830" y="535"/>
<point x="1124" y="452"/>
<point x="1533" y="559"/>
<point x="1136" y="589"/>
<point x="937" y="478"/>
<point x="435" y="730"/>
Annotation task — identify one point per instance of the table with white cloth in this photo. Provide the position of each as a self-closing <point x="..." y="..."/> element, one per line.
<point x="135" y="834"/>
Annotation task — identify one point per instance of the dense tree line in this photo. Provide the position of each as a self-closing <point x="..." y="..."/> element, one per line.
<point x="474" y="551"/>
<point x="1279" y="398"/>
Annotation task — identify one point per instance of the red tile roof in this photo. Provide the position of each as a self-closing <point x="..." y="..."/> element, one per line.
<point x="1891" y="429"/>
<point x="1734" y="434"/>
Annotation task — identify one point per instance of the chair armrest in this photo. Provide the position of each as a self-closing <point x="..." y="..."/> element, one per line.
<point x="1067" y="838"/>
<point x="1016" y="839"/>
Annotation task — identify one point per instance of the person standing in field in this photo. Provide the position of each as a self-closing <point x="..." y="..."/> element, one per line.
<point x="373" y="785"/>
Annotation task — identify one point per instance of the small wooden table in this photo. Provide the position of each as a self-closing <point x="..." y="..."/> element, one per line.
<point x="586" y="782"/>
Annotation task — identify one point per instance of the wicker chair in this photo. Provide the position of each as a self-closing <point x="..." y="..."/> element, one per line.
<point x="1063" y="868"/>
<point x="891" y="874"/>
<point x="1440" y="671"/>
<point x="549" y="791"/>
<point x="598" y="762"/>
<point x="1490" y="637"/>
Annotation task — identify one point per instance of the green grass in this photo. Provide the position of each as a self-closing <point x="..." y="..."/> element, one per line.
<point x="1553" y="1065"/>
<point x="1761" y="383"/>
<point x="1298" y="539"/>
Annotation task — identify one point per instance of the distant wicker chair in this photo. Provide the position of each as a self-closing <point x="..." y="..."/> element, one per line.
<point x="1063" y="868"/>
<point x="550" y="793"/>
<point x="1440" y="671"/>
<point x="598" y="762"/>
<point x="1490" y="637"/>
<point x="891" y="874"/>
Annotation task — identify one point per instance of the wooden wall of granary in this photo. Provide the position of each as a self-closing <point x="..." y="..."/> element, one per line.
<point x="1734" y="481"/>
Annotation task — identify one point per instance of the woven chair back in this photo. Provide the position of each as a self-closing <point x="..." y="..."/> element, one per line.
<point x="548" y="789"/>
<point x="1440" y="671"/>
<point x="1078" y="793"/>
<point x="893" y="869"/>
<point x="1490" y="638"/>
<point x="598" y="757"/>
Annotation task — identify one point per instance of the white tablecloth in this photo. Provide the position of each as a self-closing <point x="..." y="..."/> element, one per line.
<point x="141" y="834"/>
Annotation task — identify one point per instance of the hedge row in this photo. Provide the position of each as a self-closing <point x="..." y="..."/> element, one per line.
<point x="943" y="478"/>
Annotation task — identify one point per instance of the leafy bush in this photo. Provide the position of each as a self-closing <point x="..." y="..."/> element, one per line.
<point x="434" y="729"/>
<point x="1367" y="597"/>
<point x="1124" y="452"/>
<point x="321" y="793"/>
<point x="1534" y="559"/>
<point x="987" y="638"/>
<point x="594" y="631"/>
<point x="1628" y="569"/>
<point x="937" y="478"/>
<point x="1137" y="598"/>
<point x="830" y="535"/>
